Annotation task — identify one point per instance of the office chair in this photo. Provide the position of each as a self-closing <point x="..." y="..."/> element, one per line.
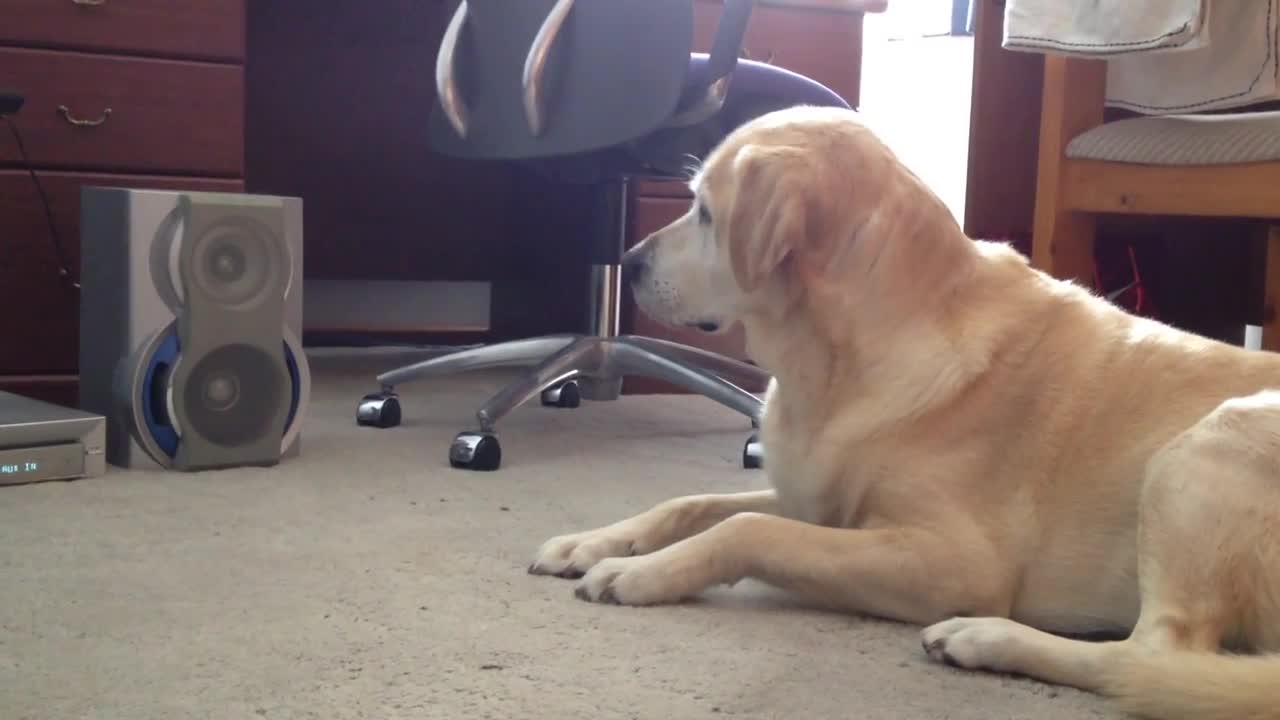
<point x="595" y="92"/>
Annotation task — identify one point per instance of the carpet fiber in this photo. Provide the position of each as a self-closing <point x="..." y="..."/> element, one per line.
<point x="367" y="579"/>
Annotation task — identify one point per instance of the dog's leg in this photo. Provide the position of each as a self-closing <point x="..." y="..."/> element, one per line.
<point x="668" y="522"/>
<point x="998" y="644"/>
<point x="1207" y="550"/>
<point x="911" y="575"/>
<point x="1178" y="614"/>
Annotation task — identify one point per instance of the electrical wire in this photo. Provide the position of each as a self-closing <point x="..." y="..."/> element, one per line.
<point x="59" y="252"/>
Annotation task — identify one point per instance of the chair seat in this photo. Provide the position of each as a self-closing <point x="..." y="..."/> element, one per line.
<point x="752" y="78"/>
<point x="755" y="89"/>
<point x="1183" y="140"/>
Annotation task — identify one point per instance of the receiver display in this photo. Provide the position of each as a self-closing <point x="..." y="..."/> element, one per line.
<point x="46" y="462"/>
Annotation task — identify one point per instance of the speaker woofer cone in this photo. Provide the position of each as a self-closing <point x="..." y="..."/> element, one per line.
<point x="232" y="394"/>
<point x="146" y="397"/>
<point x="222" y="392"/>
<point x="236" y="262"/>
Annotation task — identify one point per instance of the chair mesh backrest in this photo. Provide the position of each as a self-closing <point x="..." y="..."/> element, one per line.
<point x="615" y="73"/>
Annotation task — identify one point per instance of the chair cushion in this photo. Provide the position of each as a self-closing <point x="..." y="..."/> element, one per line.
<point x="1183" y="140"/>
<point x="781" y="86"/>
<point x="755" y="89"/>
<point x="604" y="86"/>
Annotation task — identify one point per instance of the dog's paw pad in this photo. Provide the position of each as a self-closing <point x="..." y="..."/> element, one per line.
<point x="627" y="581"/>
<point x="608" y="596"/>
<point x="567" y="556"/>
<point x="970" y="643"/>
<point x="571" y="556"/>
<point x="937" y="651"/>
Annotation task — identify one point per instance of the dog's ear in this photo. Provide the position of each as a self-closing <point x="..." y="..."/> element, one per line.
<point x="768" y="215"/>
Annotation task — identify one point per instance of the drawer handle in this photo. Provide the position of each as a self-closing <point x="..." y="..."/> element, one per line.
<point x="89" y="3"/>
<point x="79" y="122"/>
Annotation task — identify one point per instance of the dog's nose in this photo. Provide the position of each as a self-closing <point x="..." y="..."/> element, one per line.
<point x="634" y="263"/>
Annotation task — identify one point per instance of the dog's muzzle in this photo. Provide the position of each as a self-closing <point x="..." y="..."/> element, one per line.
<point x="635" y="263"/>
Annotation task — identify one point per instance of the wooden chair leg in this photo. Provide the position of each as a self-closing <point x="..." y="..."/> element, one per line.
<point x="1271" y="292"/>
<point x="1072" y="101"/>
<point x="1062" y="245"/>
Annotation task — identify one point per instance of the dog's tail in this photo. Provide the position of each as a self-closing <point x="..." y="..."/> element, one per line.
<point x="1180" y="685"/>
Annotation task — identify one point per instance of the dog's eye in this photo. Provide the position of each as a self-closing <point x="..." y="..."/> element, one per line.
<point x="704" y="215"/>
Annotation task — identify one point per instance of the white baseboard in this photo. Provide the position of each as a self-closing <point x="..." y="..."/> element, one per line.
<point x="395" y="306"/>
<point x="1252" y="337"/>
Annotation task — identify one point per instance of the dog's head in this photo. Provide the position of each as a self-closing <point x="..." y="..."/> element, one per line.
<point x="801" y="209"/>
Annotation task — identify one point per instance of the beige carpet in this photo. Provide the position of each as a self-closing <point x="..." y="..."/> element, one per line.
<point x="366" y="579"/>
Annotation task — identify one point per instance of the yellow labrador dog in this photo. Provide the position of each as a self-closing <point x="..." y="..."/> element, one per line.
<point x="959" y="441"/>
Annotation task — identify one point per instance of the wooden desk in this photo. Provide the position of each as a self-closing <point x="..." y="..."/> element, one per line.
<point x="325" y="100"/>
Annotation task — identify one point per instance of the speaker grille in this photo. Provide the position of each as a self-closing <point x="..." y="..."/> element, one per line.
<point x="236" y="261"/>
<point x="232" y="395"/>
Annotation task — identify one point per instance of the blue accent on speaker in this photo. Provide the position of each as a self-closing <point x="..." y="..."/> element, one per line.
<point x="155" y="409"/>
<point x="295" y="385"/>
<point x="158" y="423"/>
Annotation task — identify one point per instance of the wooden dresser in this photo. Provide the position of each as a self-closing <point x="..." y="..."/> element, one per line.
<point x="130" y="93"/>
<point x="821" y="39"/>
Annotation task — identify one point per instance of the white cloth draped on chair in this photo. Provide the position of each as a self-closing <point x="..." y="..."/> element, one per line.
<point x="1164" y="56"/>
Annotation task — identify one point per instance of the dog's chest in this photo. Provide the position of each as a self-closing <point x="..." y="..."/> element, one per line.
<point x="812" y="483"/>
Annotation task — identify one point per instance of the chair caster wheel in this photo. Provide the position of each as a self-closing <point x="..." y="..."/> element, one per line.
<point x="753" y="453"/>
<point x="564" y="395"/>
<point x="380" y="410"/>
<point x="475" y="451"/>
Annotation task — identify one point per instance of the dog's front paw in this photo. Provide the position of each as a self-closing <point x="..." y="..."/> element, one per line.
<point x="972" y="643"/>
<point x="571" y="556"/>
<point x="630" y="581"/>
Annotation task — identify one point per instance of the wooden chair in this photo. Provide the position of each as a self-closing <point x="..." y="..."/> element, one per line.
<point x="1206" y="166"/>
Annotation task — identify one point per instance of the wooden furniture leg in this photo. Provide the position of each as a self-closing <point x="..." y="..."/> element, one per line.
<point x="1072" y="102"/>
<point x="1062" y="243"/>
<point x="1271" y="292"/>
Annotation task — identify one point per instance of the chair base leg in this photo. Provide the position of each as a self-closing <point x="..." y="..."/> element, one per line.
<point x="712" y="362"/>
<point x="601" y="389"/>
<point x="516" y="353"/>
<point x="594" y="366"/>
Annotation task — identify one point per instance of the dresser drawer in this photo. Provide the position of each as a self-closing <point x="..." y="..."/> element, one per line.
<point x="824" y="45"/>
<point x="39" y="314"/>
<point x="97" y="112"/>
<point x="197" y="29"/>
